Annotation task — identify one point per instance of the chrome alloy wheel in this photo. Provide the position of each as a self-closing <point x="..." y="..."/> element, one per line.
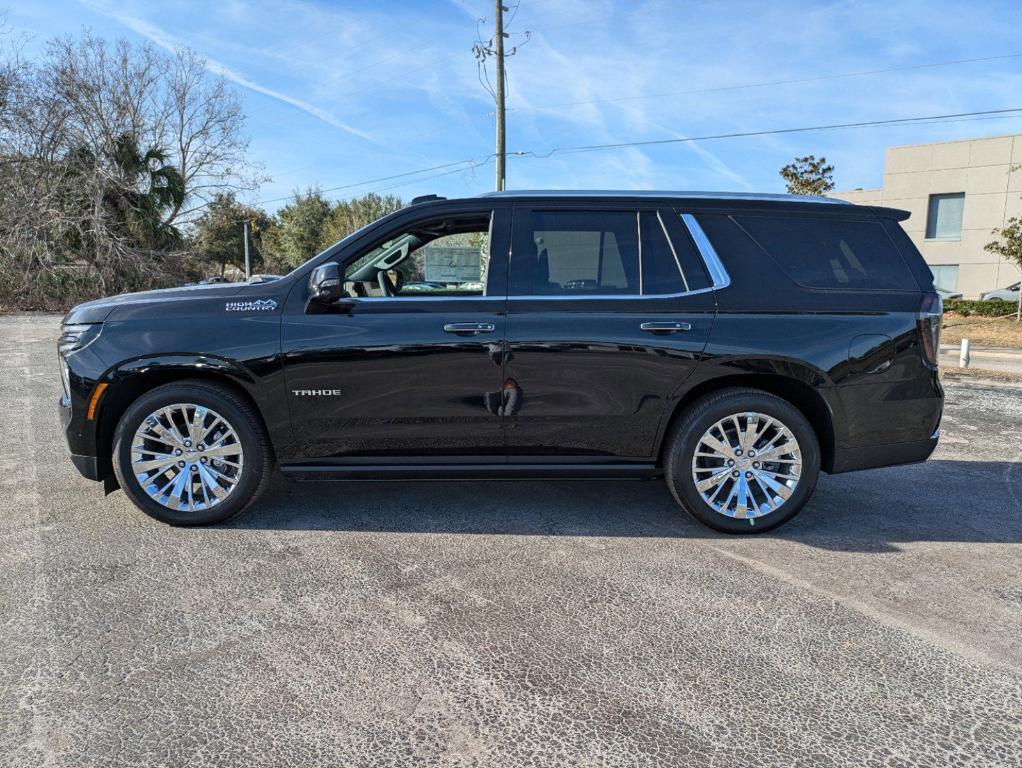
<point x="747" y="465"/>
<point x="186" y="457"/>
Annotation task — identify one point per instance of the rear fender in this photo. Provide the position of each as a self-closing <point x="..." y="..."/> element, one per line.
<point x="807" y="388"/>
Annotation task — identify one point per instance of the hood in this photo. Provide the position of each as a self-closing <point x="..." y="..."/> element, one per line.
<point x="99" y="310"/>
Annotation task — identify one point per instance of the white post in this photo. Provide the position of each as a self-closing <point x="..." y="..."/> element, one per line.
<point x="248" y="263"/>
<point x="963" y="356"/>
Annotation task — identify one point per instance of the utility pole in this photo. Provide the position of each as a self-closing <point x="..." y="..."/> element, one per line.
<point x="498" y="46"/>
<point x="483" y="50"/>
<point x="248" y="264"/>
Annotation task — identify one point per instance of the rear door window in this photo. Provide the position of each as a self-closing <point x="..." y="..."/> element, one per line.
<point x="602" y="252"/>
<point x="575" y="253"/>
<point x="831" y="253"/>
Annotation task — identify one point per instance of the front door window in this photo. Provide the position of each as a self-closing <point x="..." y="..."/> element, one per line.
<point x="441" y="258"/>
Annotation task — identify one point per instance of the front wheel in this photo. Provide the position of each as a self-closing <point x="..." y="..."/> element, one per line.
<point x="191" y="453"/>
<point x="742" y="461"/>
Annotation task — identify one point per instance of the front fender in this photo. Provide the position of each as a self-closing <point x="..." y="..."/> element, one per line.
<point x="129" y="379"/>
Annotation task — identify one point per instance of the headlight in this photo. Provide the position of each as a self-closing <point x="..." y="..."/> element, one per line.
<point x="76" y="337"/>
<point x="72" y="339"/>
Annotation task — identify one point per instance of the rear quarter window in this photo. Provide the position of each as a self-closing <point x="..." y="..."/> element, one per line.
<point x="836" y="254"/>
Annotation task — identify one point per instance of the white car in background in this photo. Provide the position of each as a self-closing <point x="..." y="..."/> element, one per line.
<point x="1002" y="294"/>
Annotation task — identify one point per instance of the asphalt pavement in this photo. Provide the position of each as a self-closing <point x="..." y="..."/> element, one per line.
<point x="510" y="623"/>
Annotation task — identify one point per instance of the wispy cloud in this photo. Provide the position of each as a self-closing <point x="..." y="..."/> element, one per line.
<point x="401" y="74"/>
<point x="172" y="43"/>
<point x="716" y="164"/>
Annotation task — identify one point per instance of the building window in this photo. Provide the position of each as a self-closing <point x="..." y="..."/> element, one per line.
<point x="945" y="276"/>
<point x="944" y="220"/>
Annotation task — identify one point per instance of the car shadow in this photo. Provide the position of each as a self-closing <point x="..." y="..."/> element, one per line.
<point x="871" y="511"/>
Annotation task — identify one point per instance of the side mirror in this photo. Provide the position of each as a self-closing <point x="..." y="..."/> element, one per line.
<point x="325" y="284"/>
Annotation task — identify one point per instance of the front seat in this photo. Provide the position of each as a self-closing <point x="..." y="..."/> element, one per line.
<point x="532" y="271"/>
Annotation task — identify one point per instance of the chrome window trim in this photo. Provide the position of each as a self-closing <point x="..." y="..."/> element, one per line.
<point x="432" y="297"/>
<point x="638" y="247"/>
<point x="670" y="243"/>
<point x="718" y="274"/>
<point x="535" y="297"/>
<point x="606" y="296"/>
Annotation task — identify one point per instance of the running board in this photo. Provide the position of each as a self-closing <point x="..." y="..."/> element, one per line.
<point x="318" y="472"/>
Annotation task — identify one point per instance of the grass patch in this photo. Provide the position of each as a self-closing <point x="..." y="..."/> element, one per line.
<point x="978" y="374"/>
<point x="982" y="331"/>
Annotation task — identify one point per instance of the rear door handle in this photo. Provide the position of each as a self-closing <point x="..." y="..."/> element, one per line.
<point x="668" y="327"/>
<point x="469" y="328"/>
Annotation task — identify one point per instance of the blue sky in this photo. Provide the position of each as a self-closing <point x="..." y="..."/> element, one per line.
<point x="341" y="92"/>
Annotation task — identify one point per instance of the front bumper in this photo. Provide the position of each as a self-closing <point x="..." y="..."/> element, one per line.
<point x="87" y="465"/>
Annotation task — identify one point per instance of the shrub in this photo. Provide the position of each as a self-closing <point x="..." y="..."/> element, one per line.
<point x="967" y="307"/>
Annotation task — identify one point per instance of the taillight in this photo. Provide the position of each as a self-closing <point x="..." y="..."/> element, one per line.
<point x="928" y="322"/>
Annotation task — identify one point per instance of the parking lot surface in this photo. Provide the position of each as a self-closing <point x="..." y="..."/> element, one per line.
<point x="510" y="623"/>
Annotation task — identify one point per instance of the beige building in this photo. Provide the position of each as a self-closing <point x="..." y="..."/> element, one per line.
<point x="957" y="191"/>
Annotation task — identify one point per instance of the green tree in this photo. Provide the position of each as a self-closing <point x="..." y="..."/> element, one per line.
<point x="348" y="216"/>
<point x="1008" y="245"/>
<point x="297" y="231"/>
<point x="219" y="232"/>
<point x="808" y="176"/>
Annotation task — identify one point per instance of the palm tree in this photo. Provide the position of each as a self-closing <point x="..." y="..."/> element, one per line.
<point x="146" y="190"/>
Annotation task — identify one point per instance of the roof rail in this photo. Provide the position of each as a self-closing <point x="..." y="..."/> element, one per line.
<point x="597" y="193"/>
<point x="426" y="199"/>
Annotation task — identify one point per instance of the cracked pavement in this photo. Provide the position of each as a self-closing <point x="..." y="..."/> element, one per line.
<point x="510" y="623"/>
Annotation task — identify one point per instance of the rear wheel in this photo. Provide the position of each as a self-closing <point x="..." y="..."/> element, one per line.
<point x="191" y="453"/>
<point x="742" y="461"/>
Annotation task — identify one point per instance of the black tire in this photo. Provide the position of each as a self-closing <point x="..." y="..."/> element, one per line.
<point x="258" y="455"/>
<point x="703" y="414"/>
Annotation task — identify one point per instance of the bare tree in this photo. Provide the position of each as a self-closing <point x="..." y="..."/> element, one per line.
<point x="170" y="102"/>
<point x="80" y="215"/>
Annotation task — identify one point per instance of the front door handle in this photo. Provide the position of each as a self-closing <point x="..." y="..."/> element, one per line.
<point x="670" y="327"/>
<point x="469" y="328"/>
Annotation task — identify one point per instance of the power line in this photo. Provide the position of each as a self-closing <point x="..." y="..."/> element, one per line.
<point x="773" y="132"/>
<point x="381" y="178"/>
<point x="470" y="167"/>
<point x="771" y="83"/>
<point x="458" y="166"/>
<point x="514" y="12"/>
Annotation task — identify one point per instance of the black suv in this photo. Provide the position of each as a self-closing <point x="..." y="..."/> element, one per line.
<point x="734" y="344"/>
